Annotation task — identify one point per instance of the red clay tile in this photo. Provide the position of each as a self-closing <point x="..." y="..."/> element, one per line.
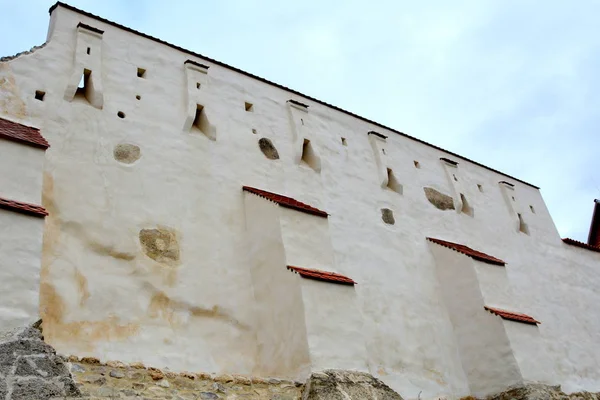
<point x="287" y="202"/>
<point x="474" y="254"/>
<point x="322" y="275"/>
<point x="23" y="208"/>
<point x="512" y="316"/>
<point x="23" y="134"/>
<point x="577" y="243"/>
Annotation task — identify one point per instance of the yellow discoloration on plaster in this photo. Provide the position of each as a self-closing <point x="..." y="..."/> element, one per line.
<point x="10" y="96"/>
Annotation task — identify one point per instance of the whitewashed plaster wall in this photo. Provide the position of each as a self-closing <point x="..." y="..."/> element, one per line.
<point x="102" y="296"/>
<point x="20" y="247"/>
<point x="22" y="169"/>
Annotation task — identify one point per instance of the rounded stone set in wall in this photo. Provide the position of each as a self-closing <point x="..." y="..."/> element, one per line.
<point x="268" y="149"/>
<point x="127" y="153"/>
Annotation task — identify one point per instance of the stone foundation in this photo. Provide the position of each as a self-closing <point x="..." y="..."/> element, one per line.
<point x="115" y="380"/>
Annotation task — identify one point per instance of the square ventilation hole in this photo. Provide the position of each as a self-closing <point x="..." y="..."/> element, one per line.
<point x="39" y="95"/>
<point x="249" y="107"/>
<point x="254" y="131"/>
<point x="141" y="73"/>
<point x="417" y="165"/>
<point x="480" y="188"/>
<point x="344" y="142"/>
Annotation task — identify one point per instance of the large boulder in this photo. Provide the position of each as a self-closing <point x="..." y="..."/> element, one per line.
<point x="345" y="385"/>
<point x="30" y="368"/>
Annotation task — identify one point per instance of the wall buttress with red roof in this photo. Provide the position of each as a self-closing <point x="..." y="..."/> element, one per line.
<point x="292" y="254"/>
<point x="22" y="217"/>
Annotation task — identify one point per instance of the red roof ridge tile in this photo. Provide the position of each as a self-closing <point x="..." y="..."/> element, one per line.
<point x="512" y="315"/>
<point x="577" y="243"/>
<point x="474" y="254"/>
<point x="320" y="275"/>
<point x="18" y="132"/>
<point x="285" y="201"/>
<point x="23" y="208"/>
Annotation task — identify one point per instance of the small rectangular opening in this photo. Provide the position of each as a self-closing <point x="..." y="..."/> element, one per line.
<point x="249" y="107"/>
<point x="417" y="165"/>
<point x="39" y="95"/>
<point x="393" y="183"/>
<point x="532" y="209"/>
<point x="466" y="208"/>
<point x="141" y="73"/>
<point x="85" y="89"/>
<point x="480" y="188"/>
<point x="344" y="142"/>
<point x="198" y="85"/>
<point x="522" y="225"/>
<point x="89" y="51"/>
<point x="309" y="157"/>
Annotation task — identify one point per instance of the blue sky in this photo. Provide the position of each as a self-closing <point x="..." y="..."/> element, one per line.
<point x="513" y="84"/>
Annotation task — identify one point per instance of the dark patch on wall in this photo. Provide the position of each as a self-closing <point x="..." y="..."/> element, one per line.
<point x="268" y="149"/>
<point x="439" y="200"/>
<point x="161" y="245"/>
<point x="387" y="216"/>
<point x="126" y="153"/>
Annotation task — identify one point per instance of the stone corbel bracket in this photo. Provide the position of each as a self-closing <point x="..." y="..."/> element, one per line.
<point x="87" y="63"/>
<point x="514" y="209"/>
<point x="301" y="132"/>
<point x="196" y="80"/>
<point x="378" y="144"/>
<point x="451" y="170"/>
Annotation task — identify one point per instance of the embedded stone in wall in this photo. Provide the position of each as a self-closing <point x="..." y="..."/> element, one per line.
<point x="387" y="216"/>
<point x="346" y="385"/>
<point x="126" y="153"/>
<point x="268" y="149"/>
<point x="439" y="200"/>
<point x="30" y="368"/>
<point x="160" y="244"/>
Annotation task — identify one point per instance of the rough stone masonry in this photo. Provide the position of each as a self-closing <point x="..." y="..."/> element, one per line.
<point x="31" y="369"/>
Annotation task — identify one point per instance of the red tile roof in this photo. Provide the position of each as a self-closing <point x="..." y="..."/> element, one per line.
<point x="577" y="243"/>
<point x="322" y="275"/>
<point x="287" y="202"/>
<point x="474" y="254"/>
<point x="22" y="134"/>
<point x="513" y="316"/>
<point x="23" y="208"/>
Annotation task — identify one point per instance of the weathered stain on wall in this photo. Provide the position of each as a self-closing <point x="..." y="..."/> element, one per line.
<point x="10" y="94"/>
